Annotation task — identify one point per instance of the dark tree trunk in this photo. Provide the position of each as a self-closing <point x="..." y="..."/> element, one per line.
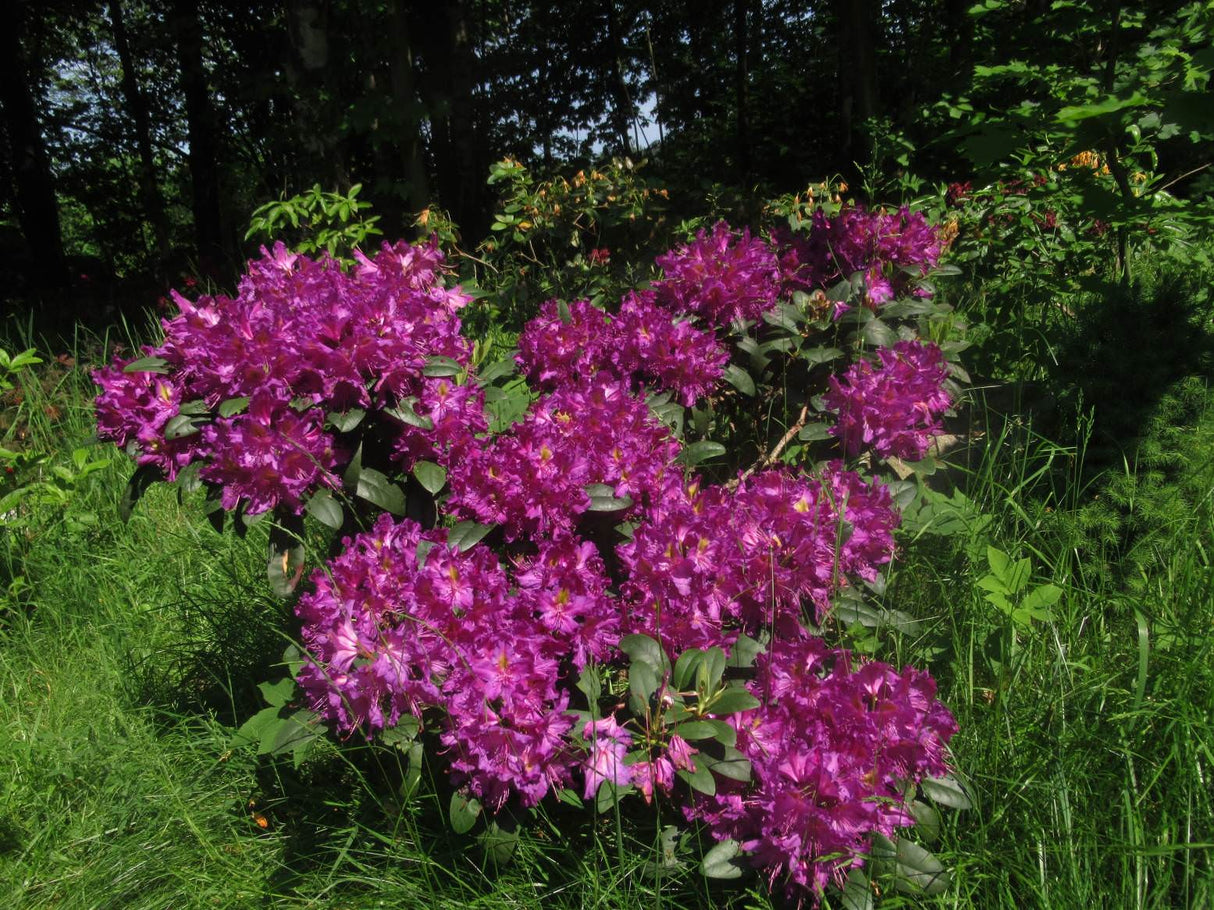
<point x="405" y="99"/>
<point x="137" y="106"/>
<point x="621" y="107"/>
<point x="857" y="22"/>
<point x="459" y="156"/>
<point x="37" y="208"/>
<point x="202" y="132"/>
<point x="741" y="92"/>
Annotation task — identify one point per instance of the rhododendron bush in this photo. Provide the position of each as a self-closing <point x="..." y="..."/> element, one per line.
<point x="527" y="565"/>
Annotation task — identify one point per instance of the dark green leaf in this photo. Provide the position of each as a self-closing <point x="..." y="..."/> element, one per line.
<point x="285" y="564"/>
<point x="732" y="700"/>
<point x="743" y="653"/>
<point x="733" y="764"/>
<point x="145" y="475"/>
<point x="261" y="727"/>
<point x="499" y="842"/>
<point x="438" y="366"/>
<point x="346" y="421"/>
<point x="739" y="379"/>
<point x="609" y="794"/>
<point x="325" y="508"/>
<point x="277" y="693"/>
<point x="298" y="728"/>
<point x="463" y="812"/>
<point x="644" y="648"/>
<point x="724" y="860"/>
<point x="431" y="476"/>
<point x="182" y="425"/>
<point x="504" y="367"/>
<point x="701" y="779"/>
<point x="643" y="681"/>
<point x="377" y="489"/>
<point x="148" y="365"/>
<point x="947" y="791"/>
<point x="467" y="534"/>
<point x="700" y="451"/>
<point x="232" y="407"/>
<point x="685" y="668"/>
<point x="405" y="414"/>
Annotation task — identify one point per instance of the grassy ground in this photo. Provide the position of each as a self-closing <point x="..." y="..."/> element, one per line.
<point x="129" y="654"/>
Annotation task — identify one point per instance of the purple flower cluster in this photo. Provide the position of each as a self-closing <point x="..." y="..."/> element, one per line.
<point x="482" y="644"/>
<point x="721" y="277"/>
<point x="894" y="408"/>
<point x="886" y="247"/>
<point x="708" y="564"/>
<point x="833" y="748"/>
<point x="301" y="339"/>
<point x="640" y="345"/>
<point x="532" y="479"/>
<point x="403" y="623"/>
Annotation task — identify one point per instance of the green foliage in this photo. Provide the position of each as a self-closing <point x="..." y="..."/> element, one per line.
<point x="582" y="237"/>
<point x="316" y="221"/>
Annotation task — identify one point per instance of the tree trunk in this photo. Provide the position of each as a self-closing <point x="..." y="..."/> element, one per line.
<point x="856" y="21"/>
<point x="37" y="208"/>
<point x="137" y="106"/>
<point x="404" y="94"/>
<point x="202" y="134"/>
<point x="621" y="107"/>
<point x="741" y="80"/>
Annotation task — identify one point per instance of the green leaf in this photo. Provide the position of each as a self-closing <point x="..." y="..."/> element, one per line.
<point x="643" y="681"/>
<point x="739" y="379"/>
<point x="610" y="793"/>
<point x="700" y="451"/>
<point x="285" y="564"/>
<point x="1041" y="598"/>
<point x="430" y="475"/>
<point x="325" y="508"/>
<point x="691" y="730"/>
<point x="733" y="764"/>
<point x="438" y="366"/>
<point x="467" y="534"/>
<point x="603" y="498"/>
<point x="504" y="367"/>
<point x="182" y="425"/>
<point x="711" y="669"/>
<point x="144" y="476"/>
<point x="463" y="812"/>
<point x="814" y="431"/>
<point x="277" y="693"/>
<point x="374" y="487"/>
<point x="743" y="653"/>
<point x="731" y="700"/>
<point x="724" y="861"/>
<point x="700" y="779"/>
<point x="148" y="365"/>
<point x="405" y="414"/>
<point x="857" y="891"/>
<point x="589" y="684"/>
<point x="913" y="865"/>
<point x="499" y="842"/>
<point x="232" y="407"/>
<point x="947" y="791"/>
<point x="685" y="668"/>
<point x="262" y="726"/>
<point x="297" y="729"/>
<point x="644" y="648"/>
<point x="570" y="798"/>
<point x="346" y="421"/>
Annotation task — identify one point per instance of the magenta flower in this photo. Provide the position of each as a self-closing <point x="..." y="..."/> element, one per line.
<point x="894" y="408"/>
